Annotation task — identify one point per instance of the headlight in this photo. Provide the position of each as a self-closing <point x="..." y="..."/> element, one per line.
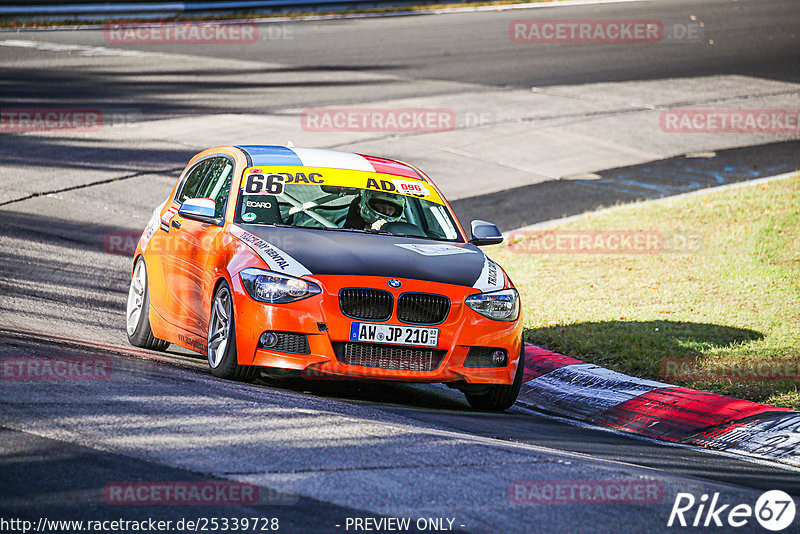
<point x="498" y="305"/>
<point x="274" y="288"/>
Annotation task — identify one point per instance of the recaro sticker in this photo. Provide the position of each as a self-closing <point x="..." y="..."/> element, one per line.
<point x="435" y="250"/>
<point x="258" y="204"/>
<point x="276" y="259"/>
<point x="491" y="278"/>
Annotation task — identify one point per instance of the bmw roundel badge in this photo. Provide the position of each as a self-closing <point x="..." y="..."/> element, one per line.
<point x="395" y="283"/>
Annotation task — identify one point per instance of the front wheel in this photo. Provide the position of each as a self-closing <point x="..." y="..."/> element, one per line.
<point x="137" y="313"/>
<point x="497" y="398"/>
<point x="222" y="339"/>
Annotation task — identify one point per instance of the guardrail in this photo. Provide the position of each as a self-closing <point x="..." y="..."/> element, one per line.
<point x="77" y="10"/>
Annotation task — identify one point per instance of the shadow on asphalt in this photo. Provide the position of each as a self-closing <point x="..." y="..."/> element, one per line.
<point x="431" y="406"/>
<point x="34" y="151"/>
<point x="398" y="394"/>
<point x="65" y="263"/>
<point x="155" y="93"/>
<point x="68" y="482"/>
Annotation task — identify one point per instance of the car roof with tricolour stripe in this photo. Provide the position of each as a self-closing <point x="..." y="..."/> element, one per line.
<point x="265" y="155"/>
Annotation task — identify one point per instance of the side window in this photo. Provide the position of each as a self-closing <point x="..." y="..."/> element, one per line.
<point x="193" y="181"/>
<point x="436" y="217"/>
<point x="217" y="183"/>
<point x="211" y="179"/>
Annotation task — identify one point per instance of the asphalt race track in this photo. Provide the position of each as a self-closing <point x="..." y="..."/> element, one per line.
<point x="541" y="131"/>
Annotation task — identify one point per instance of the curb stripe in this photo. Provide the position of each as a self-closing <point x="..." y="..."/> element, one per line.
<point x="781" y="443"/>
<point x="729" y="434"/>
<point x="676" y="413"/>
<point x="565" y="386"/>
<point x="775" y="437"/>
<point x="539" y="361"/>
<point x="583" y="390"/>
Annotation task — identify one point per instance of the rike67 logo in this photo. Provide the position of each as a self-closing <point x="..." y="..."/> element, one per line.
<point x="774" y="510"/>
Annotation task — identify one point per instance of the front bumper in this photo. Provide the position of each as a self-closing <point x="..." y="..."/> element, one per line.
<point x="322" y="321"/>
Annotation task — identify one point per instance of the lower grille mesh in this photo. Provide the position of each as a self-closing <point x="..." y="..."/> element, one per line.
<point x="482" y="357"/>
<point x="389" y="356"/>
<point x="290" y="342"/>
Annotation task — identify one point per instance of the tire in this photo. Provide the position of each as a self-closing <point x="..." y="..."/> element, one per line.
<point x="137" y="312"/>
<point x="221" y="340"/>
<point x="497" y="398"/>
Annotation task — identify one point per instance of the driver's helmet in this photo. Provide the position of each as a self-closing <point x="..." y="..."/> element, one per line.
<point x="377" y="205"/>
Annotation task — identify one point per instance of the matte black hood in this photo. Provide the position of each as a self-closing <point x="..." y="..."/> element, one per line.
<point x="334" y="252"/>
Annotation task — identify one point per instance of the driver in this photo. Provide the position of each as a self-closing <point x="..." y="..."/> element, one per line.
<point x="374" y="209"/>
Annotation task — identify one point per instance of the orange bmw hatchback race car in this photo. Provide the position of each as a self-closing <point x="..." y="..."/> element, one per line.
<point x="325" y="263"/>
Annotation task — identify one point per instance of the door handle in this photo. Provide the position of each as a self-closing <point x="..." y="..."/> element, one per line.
<point x="176" y="224"/>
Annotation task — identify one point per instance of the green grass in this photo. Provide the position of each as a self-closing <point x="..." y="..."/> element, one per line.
<point x="734" y="299"/>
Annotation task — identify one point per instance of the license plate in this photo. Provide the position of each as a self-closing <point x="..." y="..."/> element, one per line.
<point x="394" y="334"/>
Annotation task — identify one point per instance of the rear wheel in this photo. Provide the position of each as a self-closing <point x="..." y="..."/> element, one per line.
<point x="137" y="313"/>
<point x="496" y="398"/>
<point x="222" y="339"/>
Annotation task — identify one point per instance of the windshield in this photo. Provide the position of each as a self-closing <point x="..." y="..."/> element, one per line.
<point x="337" y="199"/>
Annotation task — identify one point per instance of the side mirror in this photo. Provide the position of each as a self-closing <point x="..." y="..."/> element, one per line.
<point x="485" y="233"/>
<point x="199" y="209"/>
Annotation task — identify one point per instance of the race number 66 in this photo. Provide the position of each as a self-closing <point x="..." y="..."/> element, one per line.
<point x="258" y="184"/>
